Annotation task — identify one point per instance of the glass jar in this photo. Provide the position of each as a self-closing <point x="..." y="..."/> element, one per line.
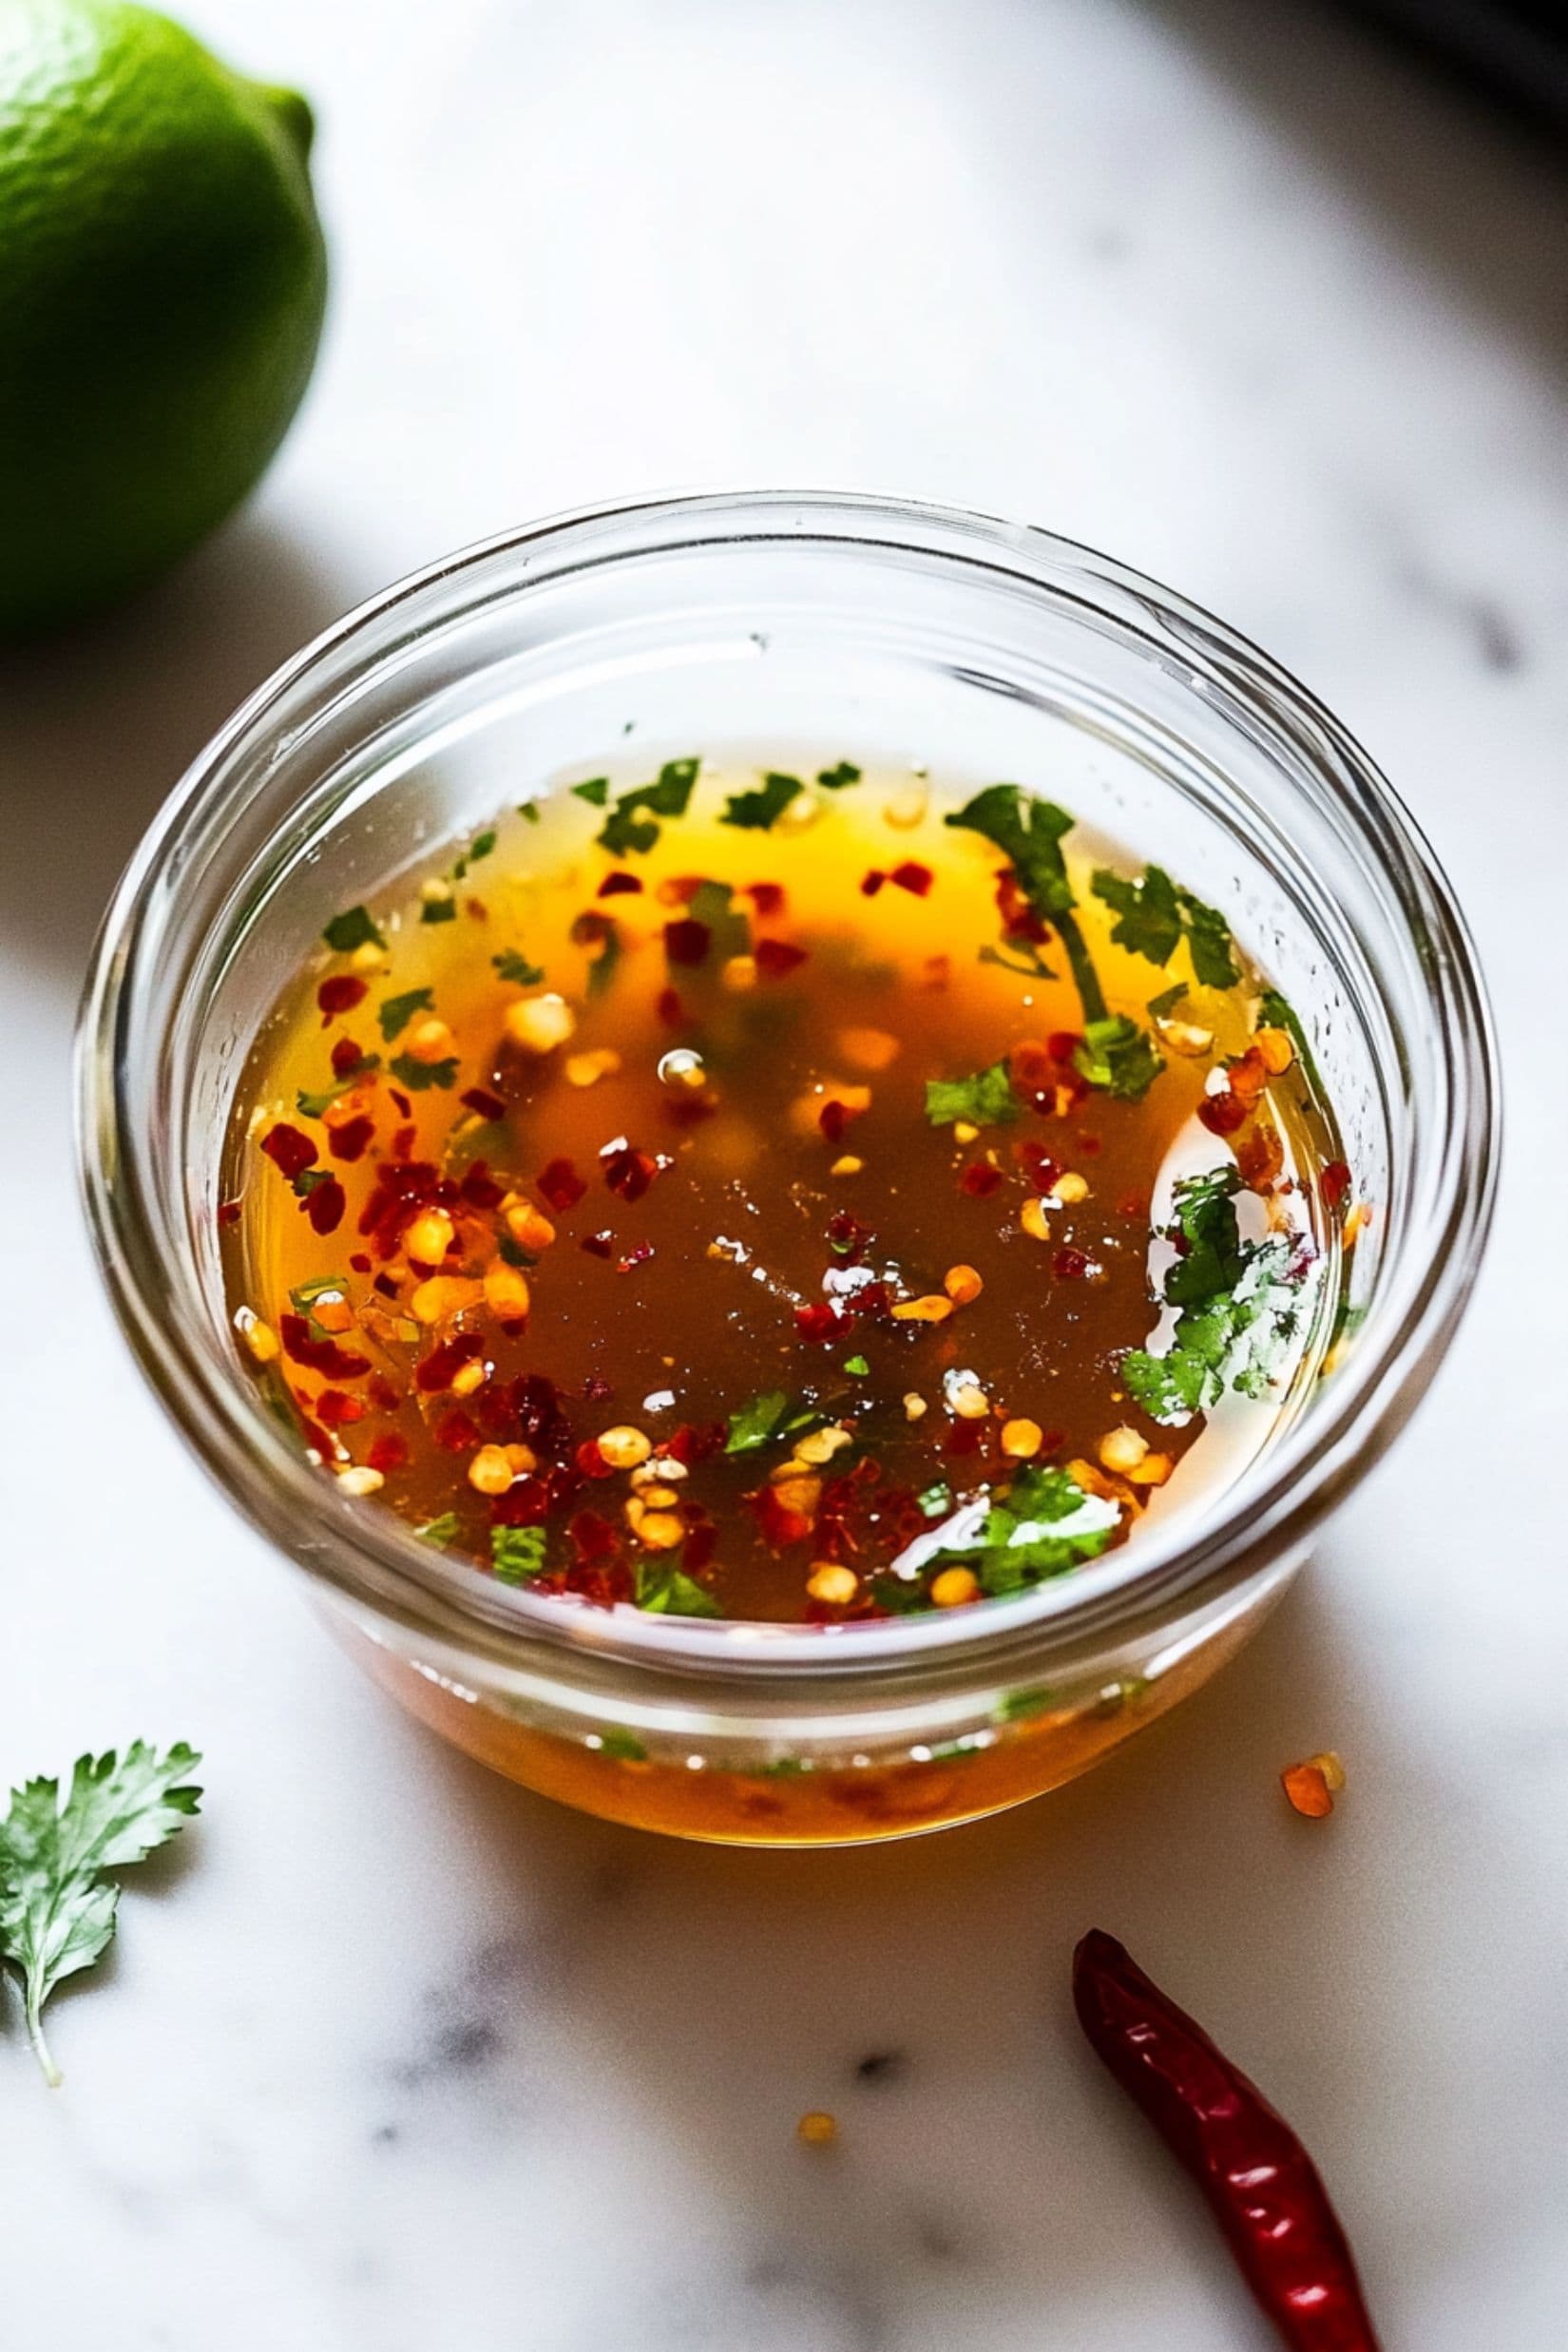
<point x="891" y="633"/>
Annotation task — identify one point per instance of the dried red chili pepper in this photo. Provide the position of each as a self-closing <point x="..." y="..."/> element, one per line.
<point x="1261" y="2182"/>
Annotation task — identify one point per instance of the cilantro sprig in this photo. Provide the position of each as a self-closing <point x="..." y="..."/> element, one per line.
<point x="664" y="1589"/>
<point x="1155" y="915"/>
<point x="1240" y="1306"/>
<point x="765" y="1418"/>
<point x="1115" y="1053"/>
<point x="57" y="1908"/>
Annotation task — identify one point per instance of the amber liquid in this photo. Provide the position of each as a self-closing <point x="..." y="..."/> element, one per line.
<point x="671" y="1309"/>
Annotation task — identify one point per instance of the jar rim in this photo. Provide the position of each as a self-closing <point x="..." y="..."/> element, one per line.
<point x="371" y="1559"/>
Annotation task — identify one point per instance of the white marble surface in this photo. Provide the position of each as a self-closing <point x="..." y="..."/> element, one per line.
<point x="393" y="2056"/>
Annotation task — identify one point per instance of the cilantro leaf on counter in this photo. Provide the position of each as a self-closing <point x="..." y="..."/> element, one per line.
<point x="1116" y="1055"/>
<point x="419" y="1075"/>
<point x="517" y="1553"/>
<point x="631" y="824"/>
<point x="396" y="1012"/>
<point x="1155" y="914"/>
<point x="1041" y="1524"/>
<point x="760" y="811"/>
<point x="1240" y="1304"/>
<point x="985" y="1099"/>
<point x="352" y="929"/>
<point x="664" y="1589"/>
<point x="57" y="1910"/>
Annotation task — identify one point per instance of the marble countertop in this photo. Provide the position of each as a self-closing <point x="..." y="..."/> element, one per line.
<point x="392" y="2056"/>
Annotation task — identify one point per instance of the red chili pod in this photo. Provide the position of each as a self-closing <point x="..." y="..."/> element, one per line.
<point x="1261" y="2184"/>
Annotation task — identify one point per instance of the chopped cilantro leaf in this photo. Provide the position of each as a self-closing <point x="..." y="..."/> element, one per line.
<point x="986" y="1099"/>
<point x="857" y="1367"/>
<point x="1028" y="832"/>
<point x="1166" y="1002"/>
<point x="396" y="1012"/>
<point x="440" y="1531"/>
<point x="1116" y="1055"/>
<point x="514" y="966"/>
<point x="517" y="1553"/>
<point x="1155" y="915"/>
<point x="900" y="1596"/>
<point x="596" y="791"/>
<point x="664" y="1589"/>
<point x="935" y="1501"/>
<point x="312" y="1105"/>
<point x="1277" y="1012"/>
<point x="631" y="824"/>
<point x="418" y="1076"/>
<point x="350" y="929"/>
<point x="713" y="903"/>
<point x="438" y="910"/>
<point x="305" y="1294"/>
<point x="308" y="1179"/>
<point x="756" y="812"/>
<point x="622" y="1746"/>
<point x="528" y="811"/>
<point x="602" y="967"/>
<point x="764" y="1419"/>
<point x="1041" y="1524"/>
<point x="481" y="845"/>
<point x="836" y="779"/>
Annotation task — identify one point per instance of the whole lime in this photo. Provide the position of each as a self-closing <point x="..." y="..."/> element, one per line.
<point x="163" y="278"/>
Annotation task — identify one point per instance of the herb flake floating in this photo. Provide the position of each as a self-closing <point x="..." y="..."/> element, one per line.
<point x="749" y="1215"/>
<point x="57" y="1907"/>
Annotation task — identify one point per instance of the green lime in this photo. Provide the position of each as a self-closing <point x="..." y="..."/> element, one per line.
<point x="163" y="278"/>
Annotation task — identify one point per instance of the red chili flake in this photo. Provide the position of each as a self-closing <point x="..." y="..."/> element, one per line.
<point x="335" y="1409"/>
<point x="1222" y="1114"/>
<point x="385" y="1398"/>
<point x="593" y="1539"/>
<point x="871" y="883"/>
<point x="686" y="940"/>
<point x="779" y="1525"/>
<point x="480" y="1189"/>
<point x="767" y="897"/>
<point x="561" y="1185"/>
<point x="404" y="1107"/>
<point x="777" y="957"/>
<point x="688" y="1110"/>
<point x="437" y="1370"/>
<point x="320" y="1355"/>
<point x="627" y="1171"/>
<point x="698" y="1551"/>
<point x="1069" y="1264"/>
<point x="963" y="1437"/>
<point x="695" y="1442"/>
<point x="1089" y="1143"/>
<point x="1041" y="1167"/>
<point x="339" y="995"/>
<point x="598" y="1245"/>
<point x="979" y="1179"/>
<point x="229" y="1212"/>
<point x="346" y="1057"/>
<point x="591" y="1462"/>
<point x="388" y="1452"/>
<point x="402" y="1142"/>
<point x="912" y="876"/>
<point x="483" y="1103"/>
<point x="351" y="1140"/>
<point x="872" y="1300"/>
<point x="833" y="1118"/>
<point x="937" y="971"/>
<point x="1134" y="1206"/>
<point x="681" y="890"/>
<point x="818" y="1320"/>
<point x="315" y="1437"/>
<point x="1020" y="918"/>
<point x="325" y="1206"/>
<point x="590" y="930"/>
<point x="1333" y="1183"/>
<point x="477" y="908"/>
<point x="526" y="1503"/>
<point x="289" y="1149"/>
<point x="670" y="1009"/>
<point x="1063" y="1044"/>
<point x="360" y="1263"/>
<point x="1248" y="1075"/>
<point x="635" y="1257"/>
<point x="456" y="1434"/>
<point x="619" y="885"/>
<point x="1260" y="1156"/>
<point x="388" y="1284"/>
<point x="848" y="1238"/>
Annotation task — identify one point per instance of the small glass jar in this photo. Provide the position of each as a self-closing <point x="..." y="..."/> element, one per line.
<point x="892" y="634"/>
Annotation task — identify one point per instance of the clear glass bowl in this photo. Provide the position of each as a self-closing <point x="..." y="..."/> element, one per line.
<point x="889" y="633"/>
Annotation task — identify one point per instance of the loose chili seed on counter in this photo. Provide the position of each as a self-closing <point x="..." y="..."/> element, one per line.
<point x="723" y="1218"/>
